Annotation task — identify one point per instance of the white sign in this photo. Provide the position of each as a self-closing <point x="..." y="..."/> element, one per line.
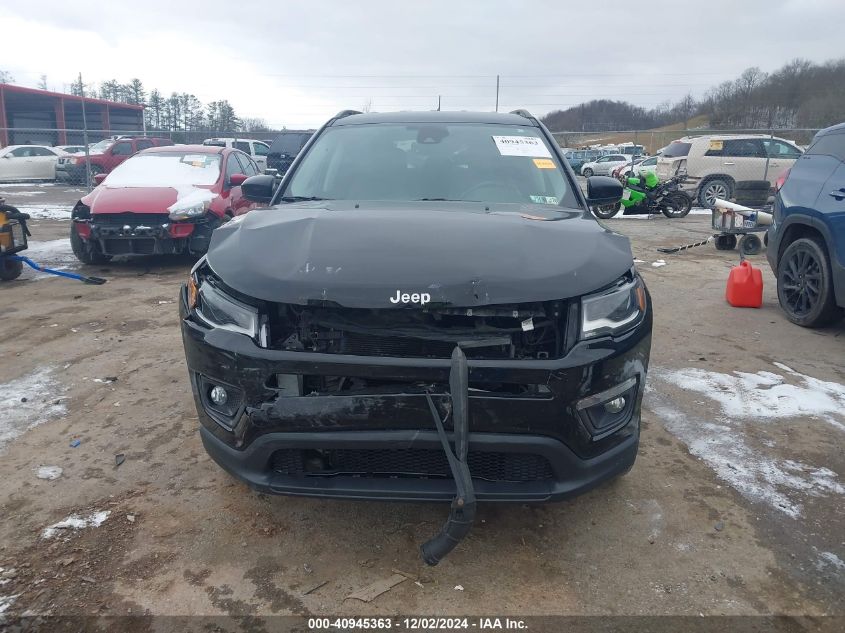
<point x="522" y="146"/>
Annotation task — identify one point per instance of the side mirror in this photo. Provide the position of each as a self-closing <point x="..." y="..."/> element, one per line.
<point x="261" y="188"/>
<point x="603" y="190"/>
<point x="236" y="180"/>
<point x="99" y="178"/>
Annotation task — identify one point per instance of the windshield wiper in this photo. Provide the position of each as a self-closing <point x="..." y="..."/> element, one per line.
<point x="301" y="198"/>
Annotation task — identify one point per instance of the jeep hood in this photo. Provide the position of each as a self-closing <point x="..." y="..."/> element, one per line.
<point x="458" y="252"/>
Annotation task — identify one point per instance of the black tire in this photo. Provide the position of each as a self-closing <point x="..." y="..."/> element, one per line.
<point x="85" y="252"/>
<point x="712" y="189"/>
<point x="725" y="242"/>
<point x="606" y="211"/>
<point x="750" y="244"/>
<point x="10" y="269"/>
<point x="587" y="172"/>
<point x="805" y="284"/>
<point x="677" y="205"/>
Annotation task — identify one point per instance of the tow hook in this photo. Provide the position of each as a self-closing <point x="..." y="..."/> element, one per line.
<point x="462" y="509"/>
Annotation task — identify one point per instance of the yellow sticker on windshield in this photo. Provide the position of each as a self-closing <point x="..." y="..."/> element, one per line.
<point x="716" y="146"/>
<point x="544" y="163"/>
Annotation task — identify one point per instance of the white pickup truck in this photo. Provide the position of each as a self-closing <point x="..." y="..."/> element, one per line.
<point x="256" y="149"/>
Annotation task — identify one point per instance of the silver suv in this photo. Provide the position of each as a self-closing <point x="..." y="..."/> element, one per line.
<point x="715" y="163"/>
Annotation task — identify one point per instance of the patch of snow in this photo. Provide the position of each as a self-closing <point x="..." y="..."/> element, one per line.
<point x="46" y="212"/>
<point x="55" y="254"/>
<point x="27" y="184"/>
<point x="778" y="483"/>
<point x="76" y="522"/>
<point x="765" y="394"/>
<point x="6" y="602"/>
<point x="658" y="263"/>
<point x="829" y="559"/>
<point x="27" y="194"/>
<point x="48" y="472"/>
<point x="41" y="391"/>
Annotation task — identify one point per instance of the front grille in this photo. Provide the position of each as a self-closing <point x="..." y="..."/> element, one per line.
<point x="363" y="345"/>
<point x="130" y="246"/>
<point x="415" y="463"/>
<point x="130" y="219"/>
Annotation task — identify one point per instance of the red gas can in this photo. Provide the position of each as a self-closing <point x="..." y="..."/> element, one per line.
<point x="745" y="286"/>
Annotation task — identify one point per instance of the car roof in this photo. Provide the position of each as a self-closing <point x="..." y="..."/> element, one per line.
<point x="830" y="130"/>
<point x="417" y="116"/>
<point x="194" y="149"/>
<point x="26" y="145"/>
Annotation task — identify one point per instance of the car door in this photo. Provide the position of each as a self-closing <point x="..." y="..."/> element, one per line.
<point x="17" y="164"/>
<point x="259" y="154"/>
<point x="117" y="153"/>
<point x="240" y="204"/>
<point x="743" y="159"/>
<point x="782" y="156"/>
<point x="235" y="202"/>
<point x="44" y="163"/>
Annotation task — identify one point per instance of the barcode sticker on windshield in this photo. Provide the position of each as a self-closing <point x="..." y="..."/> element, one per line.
<point x="522" y="146"/>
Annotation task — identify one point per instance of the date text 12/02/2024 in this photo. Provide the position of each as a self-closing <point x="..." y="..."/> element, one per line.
<point x="416" y="624"/>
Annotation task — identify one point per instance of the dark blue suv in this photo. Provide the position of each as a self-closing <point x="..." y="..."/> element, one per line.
<point x="806" y="246"/>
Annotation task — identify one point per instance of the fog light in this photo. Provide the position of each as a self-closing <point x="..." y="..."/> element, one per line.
<point x="218" y="395"/>
<point x="616" y="405"/>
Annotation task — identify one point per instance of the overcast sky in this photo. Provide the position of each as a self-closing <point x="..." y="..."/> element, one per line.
<point x="298" y="63"/>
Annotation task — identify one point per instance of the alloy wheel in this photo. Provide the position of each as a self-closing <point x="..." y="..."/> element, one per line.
<point x="801" y="282"/>
<point x="713" y="191"/>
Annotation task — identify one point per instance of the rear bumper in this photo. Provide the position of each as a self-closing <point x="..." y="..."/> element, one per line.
<point x="552" y="426"/>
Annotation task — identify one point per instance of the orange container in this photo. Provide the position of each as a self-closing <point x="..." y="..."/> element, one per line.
<point x="745" y="286"/>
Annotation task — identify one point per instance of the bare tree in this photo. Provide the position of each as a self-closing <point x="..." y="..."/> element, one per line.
<point x="42" y="83"/>
<point x="6" y="77"/>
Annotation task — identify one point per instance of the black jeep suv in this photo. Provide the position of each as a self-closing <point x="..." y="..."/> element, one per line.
<point x="421" y="279"/>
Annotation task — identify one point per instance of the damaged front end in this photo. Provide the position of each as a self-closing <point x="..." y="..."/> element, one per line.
<point x="521" y="402"/>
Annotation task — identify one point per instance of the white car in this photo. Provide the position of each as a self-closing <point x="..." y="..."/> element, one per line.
<point x="639" y="168"/>
<point x="28" y="162"/>
<point x="256" y="149"/>
<point x="604" y="165"/>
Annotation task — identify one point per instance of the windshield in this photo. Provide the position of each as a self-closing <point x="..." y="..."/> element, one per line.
<point x="432" y="161"/>
<point x="167" y="169"/>
<point x="289" y="142"/>
<point x="102" y="146"/>
<point x="676" y="149"/>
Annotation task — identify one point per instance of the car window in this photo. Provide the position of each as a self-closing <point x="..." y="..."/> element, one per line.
<point x="233" y="166"/>
<point x="650" y="161"/>
<point x="143" y="144"/>
<point x="829" y="145"/>
<point x="41" y="151"/>
<point x="736" y="148"/>
<point x="122" y="149"/>
<point x="779" y="149"/>
<point x="21" y="152"/>
<point x="676" y="149"/>
<point x="261" y="149"/>
<point x="475" y="162"/>
<point x="247" y="165"/>
<point x="617" y="157"/>
<point x="241" y="145"/>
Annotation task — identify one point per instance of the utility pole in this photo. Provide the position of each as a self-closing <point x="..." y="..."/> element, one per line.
<point x="85" y="135"/>
<point x="438" y="103"/>
<point x="497" y="93"/>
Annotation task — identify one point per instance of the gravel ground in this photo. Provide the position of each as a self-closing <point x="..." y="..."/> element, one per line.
<point x="735" y="505"/>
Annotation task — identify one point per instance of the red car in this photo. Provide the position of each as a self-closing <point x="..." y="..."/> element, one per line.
<point x="163" y="200"/>
<point x="104" y="156"/>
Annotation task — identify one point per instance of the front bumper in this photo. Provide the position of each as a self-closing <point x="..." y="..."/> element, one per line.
<point x="70" y="173"/>
<point x="547" y="429"/>
<point x="151" y="236"/>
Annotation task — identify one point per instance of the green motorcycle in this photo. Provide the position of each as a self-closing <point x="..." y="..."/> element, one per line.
<point x="647" y="195"/>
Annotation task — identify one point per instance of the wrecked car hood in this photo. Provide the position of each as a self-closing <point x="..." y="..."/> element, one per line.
<point x="105" y="199"/>
<point x="463" y="256"/>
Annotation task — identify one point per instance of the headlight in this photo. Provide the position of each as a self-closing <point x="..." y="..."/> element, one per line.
<point x="188" y="212"/>
<point x="615" y="310"/>
<point x="218" y="309"/>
